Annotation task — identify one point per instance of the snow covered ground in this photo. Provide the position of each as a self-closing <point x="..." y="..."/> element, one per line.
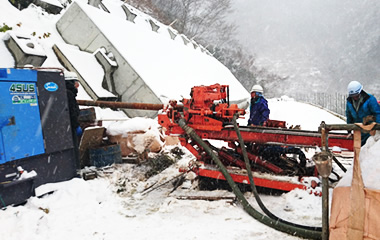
<point x="115" y="205"/>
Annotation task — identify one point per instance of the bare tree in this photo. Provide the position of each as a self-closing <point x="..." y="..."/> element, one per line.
<point x="200" y="19"/>
<point x="205" y="21"/>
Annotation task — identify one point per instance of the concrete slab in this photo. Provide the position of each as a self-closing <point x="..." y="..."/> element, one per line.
<point x="25" y="50"/>
<point x="91" y="75"/>
<point x="144" y="56"/>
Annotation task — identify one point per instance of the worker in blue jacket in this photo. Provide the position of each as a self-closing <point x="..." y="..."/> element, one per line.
<point x="361" y="105"/>
<point x="259" y="111"/>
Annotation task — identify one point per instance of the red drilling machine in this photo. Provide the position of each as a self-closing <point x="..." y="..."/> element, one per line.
<point x="274" y="151"/>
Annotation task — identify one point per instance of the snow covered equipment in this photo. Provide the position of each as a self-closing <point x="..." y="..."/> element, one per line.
<point x="35" y="133"/>
<point x="210" y="113"/>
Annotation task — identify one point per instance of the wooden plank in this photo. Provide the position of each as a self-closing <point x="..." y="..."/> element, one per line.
<point x="92" y="137"/>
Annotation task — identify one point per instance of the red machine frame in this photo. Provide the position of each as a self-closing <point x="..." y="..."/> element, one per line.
<point x="210" y="113"/>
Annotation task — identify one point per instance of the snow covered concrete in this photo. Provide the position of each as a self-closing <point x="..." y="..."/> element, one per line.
<point x="152" y="67"/>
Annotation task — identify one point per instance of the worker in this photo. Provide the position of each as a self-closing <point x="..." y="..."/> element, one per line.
<point x="72" y="84"/>
<point x="259" y="111"/>
<point x="360" y="107"/>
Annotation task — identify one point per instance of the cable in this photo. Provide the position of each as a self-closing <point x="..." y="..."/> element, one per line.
<point x="253" y="186"/>
<point x="283" y="227"/>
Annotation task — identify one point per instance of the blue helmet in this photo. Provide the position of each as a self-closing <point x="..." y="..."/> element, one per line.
<point x="354" y="88"/>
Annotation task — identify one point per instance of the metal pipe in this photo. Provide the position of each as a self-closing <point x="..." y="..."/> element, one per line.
<point x="348" y="127"/>
<point x="140" y="106"/>
<point x="292" y="132"/>
<point x="325" y="208"/>
<point x="325" y="188"/>
<point x="323" y="165"/>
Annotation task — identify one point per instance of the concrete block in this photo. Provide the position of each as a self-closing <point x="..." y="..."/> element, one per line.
<point x="77" y="28"/>
<point x="129" y="13"/>
<point x="107" y="60"/>
<point x="185" y="39"/>
<point x="25" y="50"/>
<point x="154" y="26"/>
<point x="172" y="33"/>
<point x="91" y="79"/>
<point x="49" y="7"/>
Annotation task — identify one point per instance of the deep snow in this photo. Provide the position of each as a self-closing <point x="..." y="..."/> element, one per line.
<point x="113" y="206"/>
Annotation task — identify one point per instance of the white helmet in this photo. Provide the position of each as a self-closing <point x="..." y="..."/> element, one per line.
<point x="70" y="76"/>
<point x="257" y="88"/>
<point x="354" y="88"/>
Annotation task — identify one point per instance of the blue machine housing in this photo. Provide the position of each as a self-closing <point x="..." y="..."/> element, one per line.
<point x="20" y="131"/>
<point x="35" y="132"/>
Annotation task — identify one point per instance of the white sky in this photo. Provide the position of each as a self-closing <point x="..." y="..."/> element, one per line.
<point x="91" y="210"/>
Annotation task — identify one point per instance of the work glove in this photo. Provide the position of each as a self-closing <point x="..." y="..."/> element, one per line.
<point x="79" y="131"/>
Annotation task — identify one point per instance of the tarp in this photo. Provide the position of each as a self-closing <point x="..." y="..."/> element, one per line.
<point x="340" y="210"/>
<point x="355" y="209"/>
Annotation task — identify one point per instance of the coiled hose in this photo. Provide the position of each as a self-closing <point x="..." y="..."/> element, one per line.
<point x="253" y="186"/>
<point x="280" y="226"/>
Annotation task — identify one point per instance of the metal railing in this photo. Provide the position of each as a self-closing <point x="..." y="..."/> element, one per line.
<point x="335" y="103"/>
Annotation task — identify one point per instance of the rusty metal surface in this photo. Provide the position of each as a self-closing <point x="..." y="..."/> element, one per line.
<point x="141" y="106"/>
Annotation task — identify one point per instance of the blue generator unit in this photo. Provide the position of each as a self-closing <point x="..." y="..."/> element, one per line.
<point x="35" y="132"/>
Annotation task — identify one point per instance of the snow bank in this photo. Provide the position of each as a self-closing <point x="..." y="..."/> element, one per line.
<point x="369" y="163"/>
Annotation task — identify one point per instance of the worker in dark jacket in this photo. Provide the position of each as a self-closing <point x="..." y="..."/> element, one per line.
<point x="72" y="84"/>
<point x="259" y="111"/>
<point x="360" y="106"/>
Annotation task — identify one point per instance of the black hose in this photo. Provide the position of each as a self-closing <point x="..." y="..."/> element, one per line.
<point x="339" y="164"/>
<point x="253" y="186"/>
<point x="295" y="231"/>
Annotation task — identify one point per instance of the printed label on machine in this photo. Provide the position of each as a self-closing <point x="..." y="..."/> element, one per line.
<point x="23" y="93"/>
<point x="24" y="99"/>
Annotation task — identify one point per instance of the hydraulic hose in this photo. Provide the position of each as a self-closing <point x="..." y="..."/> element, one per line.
<point x="286" y="228"/>
<point x="253" y="186"/>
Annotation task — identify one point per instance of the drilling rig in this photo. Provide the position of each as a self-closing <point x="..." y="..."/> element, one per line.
<point x="274" y="151"/>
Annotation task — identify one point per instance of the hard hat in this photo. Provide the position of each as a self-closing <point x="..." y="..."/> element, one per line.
<point x="257" y="88"/>
<point x="354" y="88"/>
<point x="70" y="76"/>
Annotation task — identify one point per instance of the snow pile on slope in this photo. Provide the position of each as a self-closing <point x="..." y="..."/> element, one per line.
<point x="369" y="163"/>
<point x="296" y="113"/>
